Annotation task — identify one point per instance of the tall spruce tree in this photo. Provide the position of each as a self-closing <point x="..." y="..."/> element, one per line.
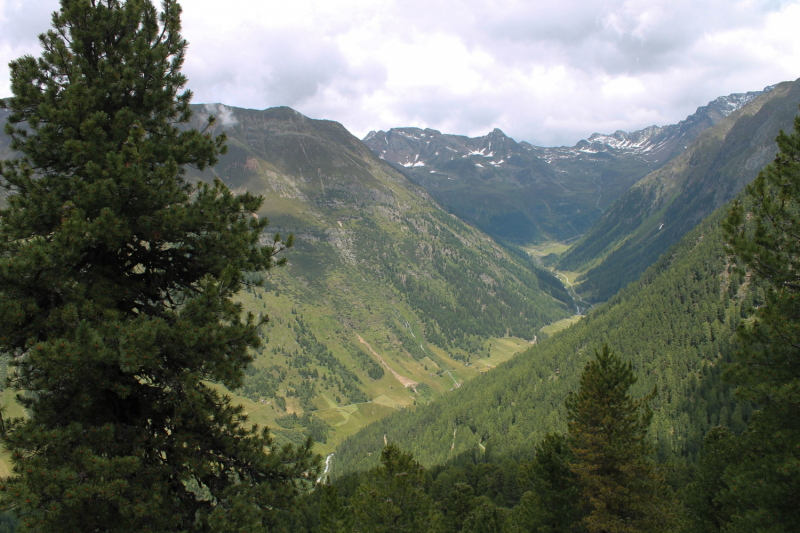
<point x="552" y="503"/>
<point x="394" y="497"/>
<point x="622" y="490"/>
<point x="764" y="236"/>
<point x="117" y="279"/>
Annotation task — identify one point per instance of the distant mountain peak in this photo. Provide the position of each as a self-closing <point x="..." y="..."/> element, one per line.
<point x="485" y="178"/>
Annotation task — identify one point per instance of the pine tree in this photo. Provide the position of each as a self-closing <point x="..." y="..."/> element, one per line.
<point x="705" y="496"/>
<point x="763" y="236"/>
<point x="622" y="490"/>
<point x="456" y="507"/>
<point x="486" y="517"/>
<point x="117" y="279"/>
<point x="394" y="499"/>
<point x="334" y="516"/>
<point x="552" y="503"/>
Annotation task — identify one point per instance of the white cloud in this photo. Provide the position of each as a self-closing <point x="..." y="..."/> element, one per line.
<point x="222" y="113"/>
<point x="547" y="72"/>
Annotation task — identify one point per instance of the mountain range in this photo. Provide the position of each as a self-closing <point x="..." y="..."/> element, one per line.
<point x="676" y="325"/>
<point x="405" y="283"/>
<point x="525" y="194"/>
<point x="659" y="209"/>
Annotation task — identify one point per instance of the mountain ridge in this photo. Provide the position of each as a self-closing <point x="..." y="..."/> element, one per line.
<point x="660" y="208"/>
<point x="523" y="193"/>
<point x="434" y="300"/>
<point x="383" y="287"/>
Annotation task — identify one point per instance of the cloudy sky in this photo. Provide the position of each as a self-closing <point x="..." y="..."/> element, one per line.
<point x="549" y="72"/>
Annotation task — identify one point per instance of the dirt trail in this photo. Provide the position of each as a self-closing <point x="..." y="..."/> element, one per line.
<point x="405" y="381"/>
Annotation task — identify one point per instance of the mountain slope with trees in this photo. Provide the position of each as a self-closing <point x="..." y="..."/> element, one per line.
<point x="383" y="288"/>
<point x="675" y="324"/>
<point x="663" y="206"/>
<point x="117" y="285"/>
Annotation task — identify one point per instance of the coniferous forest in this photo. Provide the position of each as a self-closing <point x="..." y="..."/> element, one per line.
<point x="673" y="406"/>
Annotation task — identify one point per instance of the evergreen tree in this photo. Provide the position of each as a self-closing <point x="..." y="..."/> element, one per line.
<point x="763" y="234"/>
<point x="622" y="490"/>
<point x="394" y="499"/>
<point x="456" y="507"/>
<point x="334" y="516"/>
<point x="705" y="496"/>
<point x="117" y="279"/>
<point x="552" y="503"/>
<point x="486" y="517"/>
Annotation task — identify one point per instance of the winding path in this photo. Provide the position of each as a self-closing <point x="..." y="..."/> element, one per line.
<point x="575" y="296"/>
<point x="454" y="379"/>
<point x="599" y="195"/>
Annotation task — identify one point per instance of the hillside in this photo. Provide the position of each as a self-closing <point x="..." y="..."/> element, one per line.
<point x="663" y="206"/>
<point x="387" y="300"/>
<point x="675" y="324"/>
<point x="524" y="194"/>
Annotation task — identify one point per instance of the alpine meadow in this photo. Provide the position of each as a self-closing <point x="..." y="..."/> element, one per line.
<point x="215" y="318"/>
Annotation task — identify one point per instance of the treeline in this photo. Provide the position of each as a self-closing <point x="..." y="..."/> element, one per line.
<point x="732" y="468"/>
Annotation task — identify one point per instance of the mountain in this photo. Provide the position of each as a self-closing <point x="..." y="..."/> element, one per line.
<point x="664" y="205"/>
<point x="676" y="325"/>
<point x="387" y="300"/>
<point x="522" y="193"/>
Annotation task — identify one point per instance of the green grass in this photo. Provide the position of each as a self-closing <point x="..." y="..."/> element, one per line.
<point x="547" y="248"/>
<point x="555" y="327"/>
<point x="11" y="409"/>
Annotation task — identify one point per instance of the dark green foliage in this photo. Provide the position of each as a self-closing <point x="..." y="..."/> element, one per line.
<point x="456" y="507"/>
<point x="117" y="279"/>
<point x="551" y="499"/>
<point x="334" y="515"/>
<point x="764" y="483"/>
<point x="8" y="523"/>
<point x="705" y="497"/>
<point x="622" y="490"/>
<point x="485" y="304"/>
<point x="394" y="497"/>
<point x="321" y="354"/>
<point x="260" y="382"/>
<point x="315" y="428"/>
<point x="486" y="517"/>
<point x="373" y="368"/>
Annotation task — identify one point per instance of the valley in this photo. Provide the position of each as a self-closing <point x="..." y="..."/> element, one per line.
<point x="422" y="303"/>
<point x="215" y="318"/>
<point x="387" y="301"/>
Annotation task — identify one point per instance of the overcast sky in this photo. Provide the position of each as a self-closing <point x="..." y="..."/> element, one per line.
<point x="550" y="72"/>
